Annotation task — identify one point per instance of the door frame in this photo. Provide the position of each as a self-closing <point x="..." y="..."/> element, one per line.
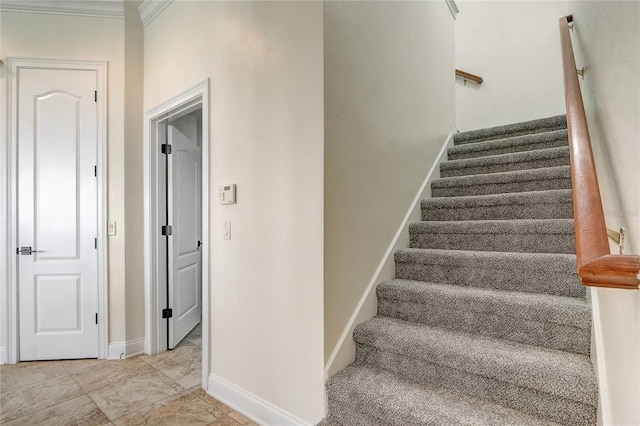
<point x="191" y="99"/>
<point x="9" y="158"/>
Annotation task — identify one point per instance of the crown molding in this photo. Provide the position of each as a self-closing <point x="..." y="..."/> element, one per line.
<point x="150" y="9"/>
<point x="94" y="8"/>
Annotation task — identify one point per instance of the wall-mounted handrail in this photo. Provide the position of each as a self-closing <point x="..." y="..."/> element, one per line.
<point x="596" y="265"/>
<point x="469" y="76"/>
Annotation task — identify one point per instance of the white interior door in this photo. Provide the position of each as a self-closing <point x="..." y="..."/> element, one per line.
<point x="184" y="200"/>
<point x="57" y="214"/>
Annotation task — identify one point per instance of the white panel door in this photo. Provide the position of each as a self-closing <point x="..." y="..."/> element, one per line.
<point x="57" y="214"/>
<point x="185" y="283"/>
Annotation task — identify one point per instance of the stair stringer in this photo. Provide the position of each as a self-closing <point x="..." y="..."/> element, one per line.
<point x="344" y="353"/>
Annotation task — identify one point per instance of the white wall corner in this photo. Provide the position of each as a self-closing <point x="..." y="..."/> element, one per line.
<point x="599" y="361"/>
<point x="150" y="9"/>
<point x="253" y="407"/>
<point x="95" y="8"/>
<point x="122" y="350"/>
<point x="344" y="352"/>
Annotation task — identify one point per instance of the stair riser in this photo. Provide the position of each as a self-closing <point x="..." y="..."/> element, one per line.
<point x="507" y="135"/>
<point x="495" y="324"/>
<point x="556" y="143"/>
<point x="518" y="129"/>
<point x="513" y="211"/>
<point x="446" y="171"/>
<point x="500" y="188"/>
<point x="530" y="401"/>
<point x="524" y="243"/>
<point x="388" y="399"/>
<point x="527" y="280"/>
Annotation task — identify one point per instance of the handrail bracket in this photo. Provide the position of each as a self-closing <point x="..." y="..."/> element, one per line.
<point x="617" y="238"/>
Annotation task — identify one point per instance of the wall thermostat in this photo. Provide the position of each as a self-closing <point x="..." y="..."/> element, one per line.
<point x="227" y="194"/>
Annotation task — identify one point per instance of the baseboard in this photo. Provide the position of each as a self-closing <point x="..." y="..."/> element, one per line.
<point x="122" y="350"/>
<point x="253" y="407"/>
<point x="344" y="352"/>
<point x="3" y="356"/>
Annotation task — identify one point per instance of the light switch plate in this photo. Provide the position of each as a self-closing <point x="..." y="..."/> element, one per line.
<point x="227" y="230"/>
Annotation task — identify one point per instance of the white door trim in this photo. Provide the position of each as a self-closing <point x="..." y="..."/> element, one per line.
<point x="8" y="159"/>
<point x="193" y="98"/>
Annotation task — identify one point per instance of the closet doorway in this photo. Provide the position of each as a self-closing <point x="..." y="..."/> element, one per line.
<point x="177" y="217"/>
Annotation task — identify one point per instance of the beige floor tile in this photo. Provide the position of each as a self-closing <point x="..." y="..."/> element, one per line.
<point x="195" y="336"/>
<point x="224" y="421"/>
<point x="239" y="418"/>
<point x="77" y="411"/>
<point x="182" y="364"/>
<point x="72" y="365"/>
<point x="28" y="399"/>
<point x="185" y="350"/>
<point x="26" y="373"/>
<point x="189" y="408"/>
<point x="134" y="392"/>
<point x="164" y="389"/>
<point x="110" y="374"/>
<point x="197" y="342"/>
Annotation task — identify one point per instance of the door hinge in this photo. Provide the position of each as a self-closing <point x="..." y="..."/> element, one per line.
<point x="167" y="230"/>
<point x="95" y="171"/>
<point x="167" y="313"/>
<point x="95" y="243"/>
<point x="95" y="96"/>
<point x="96" y="317"/>
<point x="165" y="148"/>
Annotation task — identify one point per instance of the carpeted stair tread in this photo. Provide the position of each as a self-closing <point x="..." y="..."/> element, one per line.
<point x="537" y="159"/>
<point x="555" y="322"/>
<point x="530" y="272"/>
<point x="527" y="236"/>
<point x="553" y="139"/>
<point x="486" y="321"/>
<point x="548" y="178"/>
<point x="388" y="400"/>
<point x="349" y="415"/>
<point x="510" y="130"/>
<point x="569" y="311"/>
<point x="558" y="373"/>
<point x="530" y="401"/>
<point x="550" y="204"/>
<point x="329" y="422"/>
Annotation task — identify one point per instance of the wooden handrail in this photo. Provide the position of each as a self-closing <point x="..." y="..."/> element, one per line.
<point x="469" y="76"/>
<point x="596" y="265"/>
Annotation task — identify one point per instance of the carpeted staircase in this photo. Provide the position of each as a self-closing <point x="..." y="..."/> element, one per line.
<point x="486" y="322"/>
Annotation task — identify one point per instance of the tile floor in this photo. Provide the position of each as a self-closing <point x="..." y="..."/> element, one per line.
<point x="145" y="390"/>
